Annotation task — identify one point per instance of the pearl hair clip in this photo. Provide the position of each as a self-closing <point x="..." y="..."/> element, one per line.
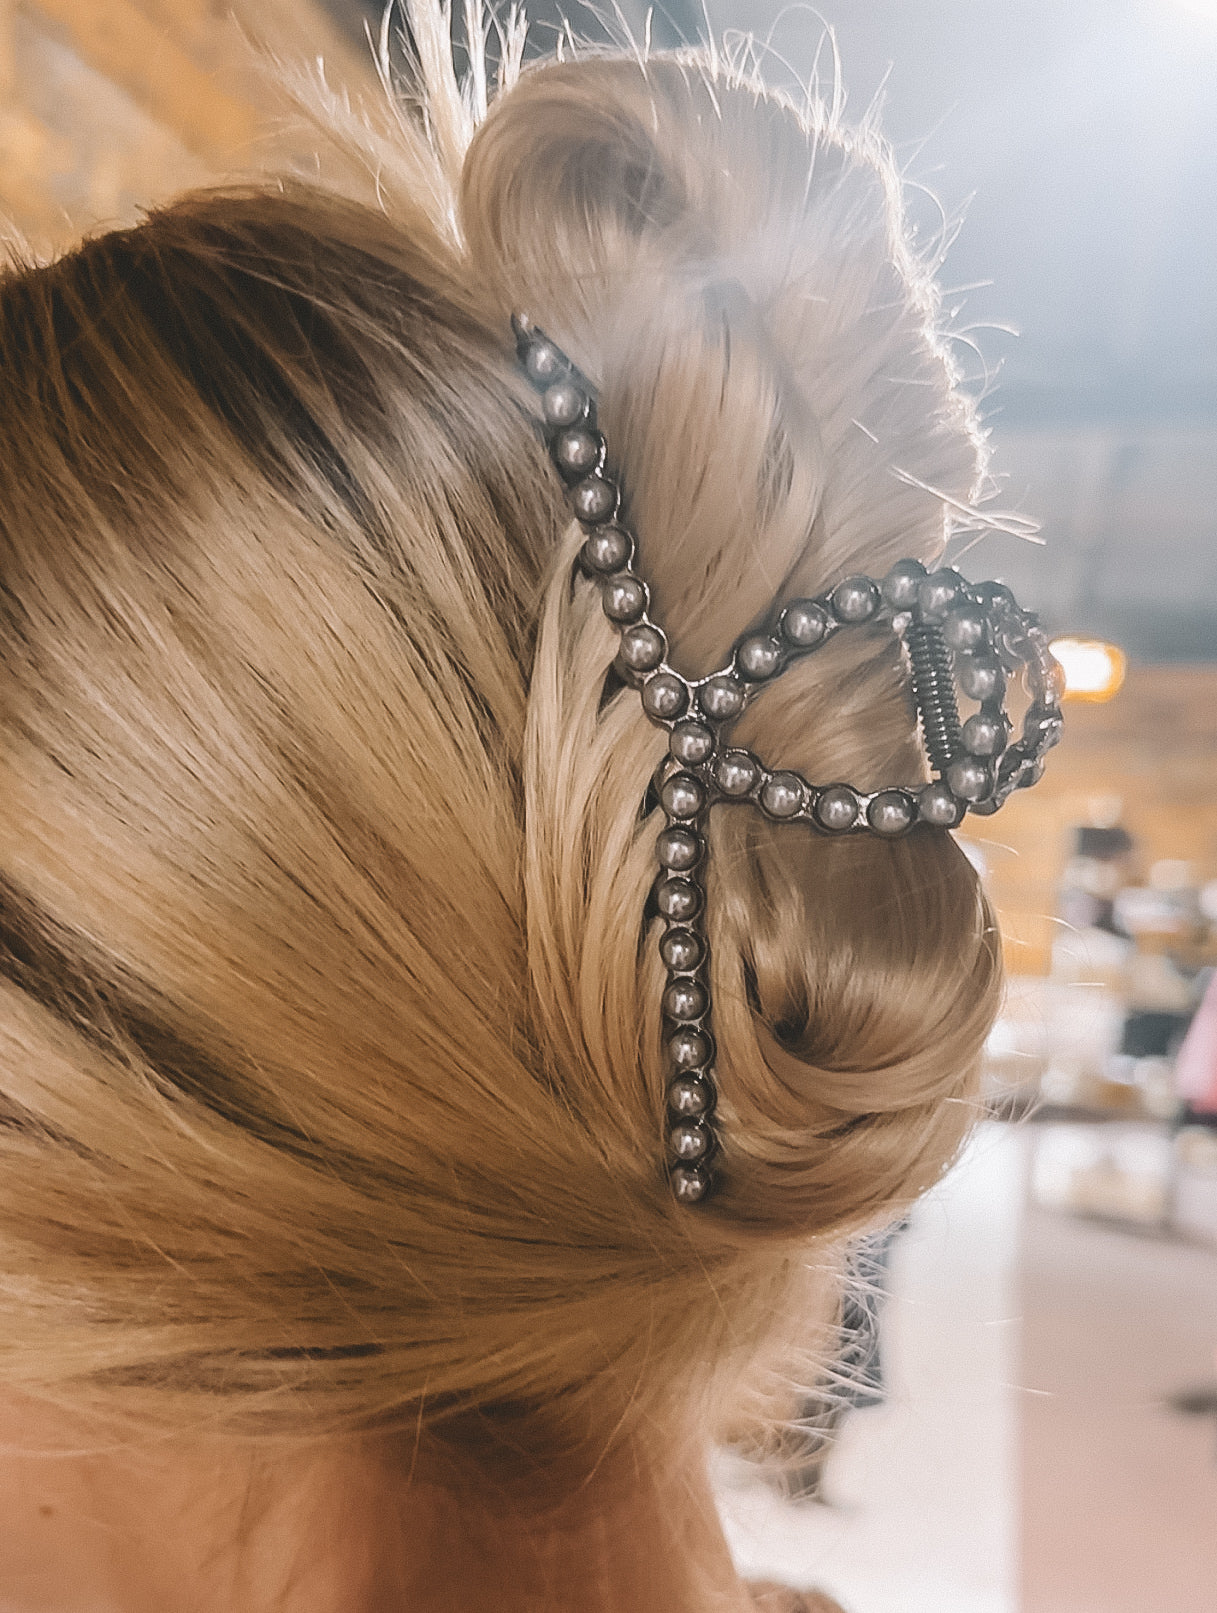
<point x="958" y="637"/>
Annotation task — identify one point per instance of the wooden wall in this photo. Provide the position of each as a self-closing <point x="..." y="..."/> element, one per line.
<point x="107" y="105"/>
<point x="1153" y="749"/>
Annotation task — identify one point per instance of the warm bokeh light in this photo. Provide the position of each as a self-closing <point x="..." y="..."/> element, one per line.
<point x="1093" y="670"/>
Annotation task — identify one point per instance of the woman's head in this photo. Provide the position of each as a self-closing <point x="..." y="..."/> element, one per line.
<point x="329" y="1023"/>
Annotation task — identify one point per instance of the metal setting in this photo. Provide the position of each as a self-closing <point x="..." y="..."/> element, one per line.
<point x="958" y="638"/>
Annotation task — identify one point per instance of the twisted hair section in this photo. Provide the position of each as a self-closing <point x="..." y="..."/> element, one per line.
<point x="773" y="389"/>
<point x="329" y="1042"/>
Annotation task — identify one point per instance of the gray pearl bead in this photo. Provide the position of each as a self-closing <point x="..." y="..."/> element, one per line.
<point x="594" y="500"/>
<point x="678" y="899"/>
<point x="625" y="598"/>
<point x="1042" y="727"/>
<point x="683" y="796"/>
<point x="855" y="600"/>
<point x="664" y="696"/>
<point x="691" y="743"/>
<point x="937" y="805"/>
<point x="544" y="363"/>
<point x="563" y="403"/>
<point x="678" y="849"/>
<point x="721" y="698"/>
<point x="964" y="630"/>
<point x="689" y="1049"/>
<point x="937" y="594"/>
<point x="577" y="451"/>
<point x="1032" y="774"/>
<point x="690" y="1140"/>
<point x="782" y="795"/>
<point x="685" y="999"/>
<point x="736" y="773"/>
<point x="1016" y="759"/>
<point x="758" y="657"/>
<point x="980" y="677"/>
<point x="689" y="1186"/>
<point x="690" y="1096"/>
<point x="837" y="808"/>
<point x="891" y="812"/>
<point x="985" y="735"/>
<point x="642" y="648"/>
<point x="804" y="624"/>
<point x="995" y="598"/>
<point x="970" y="778"/>
<point x="1051" y="677"/>
<point x="899" y="587"/>
<point x="1014" y="644"/>
<point x="608" y="550"/>
<point x="681" y="949"/>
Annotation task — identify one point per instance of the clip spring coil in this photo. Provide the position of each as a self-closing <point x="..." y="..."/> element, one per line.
<point x="934" y="692"/>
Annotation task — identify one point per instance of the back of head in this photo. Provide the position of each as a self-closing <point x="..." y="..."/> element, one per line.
<point x="330" y="1045"/>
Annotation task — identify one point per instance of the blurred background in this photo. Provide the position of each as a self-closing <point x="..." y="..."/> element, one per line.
<point x="1038" y="1427"/>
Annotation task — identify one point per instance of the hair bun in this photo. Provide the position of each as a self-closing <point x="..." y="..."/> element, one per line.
<point x="736" y="281"/>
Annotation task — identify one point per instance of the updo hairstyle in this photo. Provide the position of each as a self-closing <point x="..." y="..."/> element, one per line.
<point x="330" y="1052"/>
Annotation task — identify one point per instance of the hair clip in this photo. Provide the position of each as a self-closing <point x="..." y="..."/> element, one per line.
<point x="958" y="638"/>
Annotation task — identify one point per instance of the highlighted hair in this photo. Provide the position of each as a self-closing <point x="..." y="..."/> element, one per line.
<point x="330" y="1057"/>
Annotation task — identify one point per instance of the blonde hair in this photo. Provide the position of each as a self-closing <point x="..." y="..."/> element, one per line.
<point x="330" y="1046"/>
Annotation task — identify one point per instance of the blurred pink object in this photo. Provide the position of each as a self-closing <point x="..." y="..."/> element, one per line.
<point x="1196" y="1064"/>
